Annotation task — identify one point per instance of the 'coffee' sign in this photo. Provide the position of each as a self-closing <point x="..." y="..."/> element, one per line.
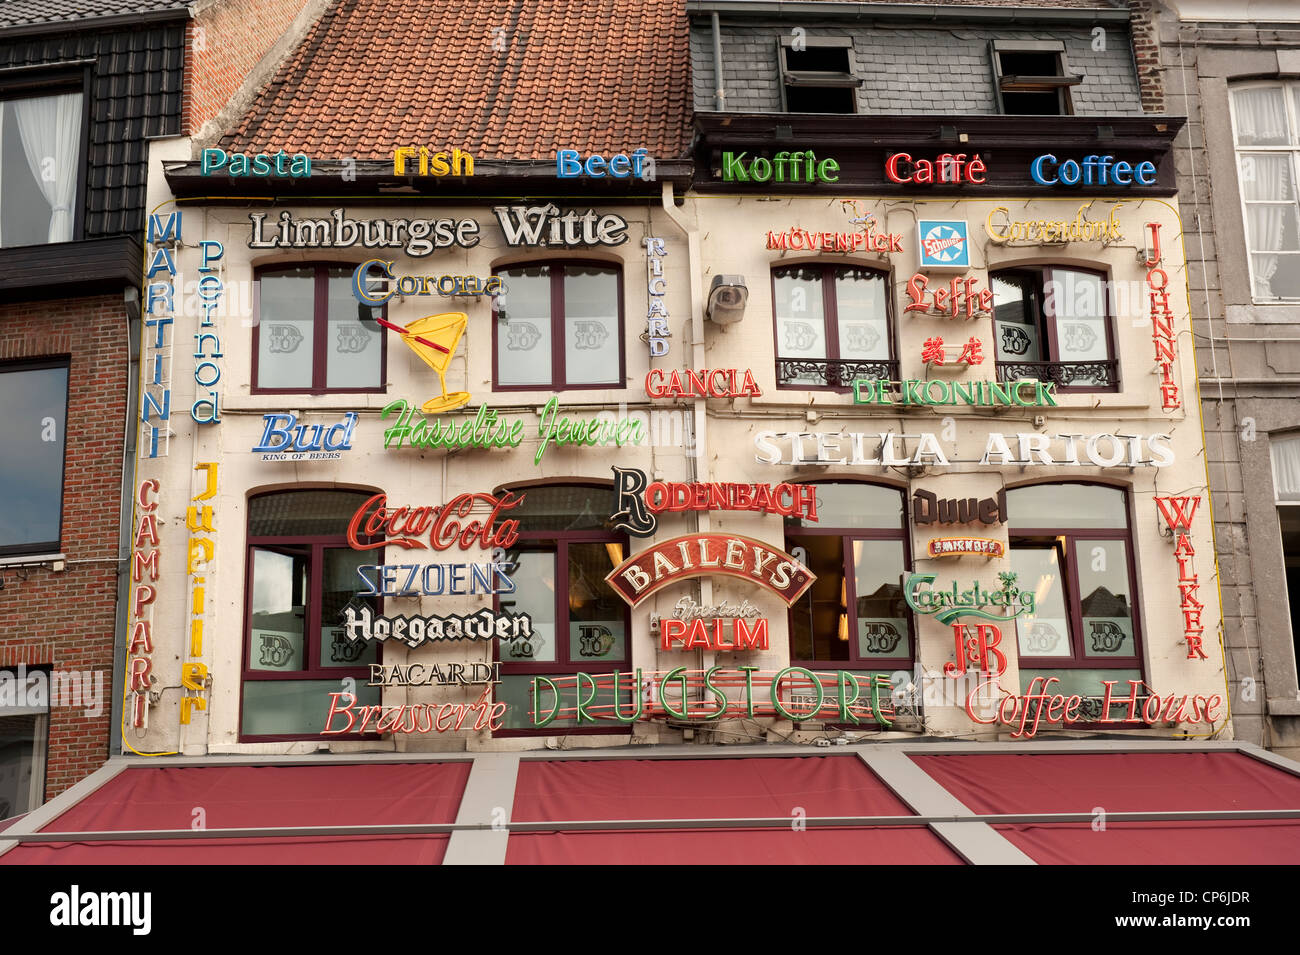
<point x="707" y="555"/>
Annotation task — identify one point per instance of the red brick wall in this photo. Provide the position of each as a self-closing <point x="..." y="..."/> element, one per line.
<point x="222" y="44"/>
<point x="65" y="619"/>
<point x="1146" y="52"/>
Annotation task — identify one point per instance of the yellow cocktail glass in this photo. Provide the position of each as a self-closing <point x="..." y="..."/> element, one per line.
<point x="434" y="339"/>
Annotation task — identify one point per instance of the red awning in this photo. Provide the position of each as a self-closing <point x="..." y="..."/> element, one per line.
<point x="234" y="797"/>
<point x="1106" y="783"/>
<point x="745" y="788"/>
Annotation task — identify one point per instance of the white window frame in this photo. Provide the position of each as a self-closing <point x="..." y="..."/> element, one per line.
<point x="1292" y="149"/>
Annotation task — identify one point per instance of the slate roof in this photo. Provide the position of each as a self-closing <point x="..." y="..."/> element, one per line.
<point x="17" y="13"/>
<point x="504" y="79"/>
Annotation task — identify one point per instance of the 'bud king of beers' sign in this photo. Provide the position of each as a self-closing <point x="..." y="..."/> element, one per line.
<point x="705" y="555"/>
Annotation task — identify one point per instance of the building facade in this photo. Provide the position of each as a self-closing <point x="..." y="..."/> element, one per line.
<point x="775" y="423"/>
<point x="1235" y="159"/>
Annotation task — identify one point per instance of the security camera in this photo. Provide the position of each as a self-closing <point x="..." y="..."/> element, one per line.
<point x="727" y="297"/>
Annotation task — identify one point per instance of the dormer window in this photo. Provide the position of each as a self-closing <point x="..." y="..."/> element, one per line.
<point x="817" y="75"/>
<point x="1032" y="78"/>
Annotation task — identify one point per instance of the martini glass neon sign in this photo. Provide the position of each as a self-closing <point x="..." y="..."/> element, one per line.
<point x="434" y="339"/>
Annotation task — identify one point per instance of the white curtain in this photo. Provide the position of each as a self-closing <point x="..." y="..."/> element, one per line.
<point x="1261" y="116"/>
<point x="1267" y="177"/>
<point x="50" y="127"/>
<point x="1285" y="451"/>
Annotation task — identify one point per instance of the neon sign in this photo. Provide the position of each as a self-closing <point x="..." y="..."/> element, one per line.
<point x="283" y="439"/>
<point x="194" y="674"/>
<point x="570" y="165"/>
<point x="928" y="508"/>
<point x="864" y="241"/>
<point x="140" y="643"/>
<point x="801" y="166"/>
<point x="361" y="624"/>
<point x="412" y="717"/>
<point x="657" y="314"/>
<point x="1162" y="323"/>
<point x="547" y="226"/>
<point x="705" y="383"/>
<point x="841" y="696"/>
<point x="1178" y="513"/>
<point x="704" y="555"/>
<point x="964" y="547"/>
<point x="984" y="394"/>
<point x="959" y="298"/>
<point x="946" y="606"/>
<point x="434" y="674"/>
<point x="442" y="523"/>
<point x="377" y="289"/>
<point x="1093" y="171"/>
<point x="434" y="579"/>
<point x="1039" y="704"/>
<point x="697" y="635"/>
<point x="1078" y="229"/>
<point x="416" y="237"/>
<point x="239" y="165"/>
<point x="454" y="163"/>
<point x="901" y="167"/>
<point x="888" y="449"/>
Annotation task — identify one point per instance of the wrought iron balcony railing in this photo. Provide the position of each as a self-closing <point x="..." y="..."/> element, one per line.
<point x="1102" y="374"/>
<point x="833" y="373"/>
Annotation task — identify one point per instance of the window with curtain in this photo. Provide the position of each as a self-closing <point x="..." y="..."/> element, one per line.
<point x="832" y="326"/>
<point x="1285" y="452"/>
<point x="312" y="335"/>
<point x="1054" y="324"/>
<point x="1266" y="129"/>
<point x="580" y="625"/>
<point x="301" y="574"/>
<point x="558" y="325"/>
<point x="854" y="615"/>
<point x="40" y="164"/>
<point x="1072" y="547"/>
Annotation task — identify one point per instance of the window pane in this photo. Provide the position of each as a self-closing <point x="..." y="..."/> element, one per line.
<point x="339" y="588"/>
<point x="564" y="508"/>
<point x="1277" y="276"/>
<point x="882" y="620"/>
<point x="1015" y="317"/>
<point x="303" y="513"/>
<point x="534" y="579"/>
<point x="1046" y="632"/>
<point x="355" y="344"/>
<point x="800" y="320"/>
<point x="25" y="213"/>
<point x="855" y="505"/>
<point x="1088" y="684"/>
<point x="591" y="352"/>
<point x="1075" y="302"/>
<point x="1052" y="506"/>
<point x="31" y="469"/>
<point x="1272" y="227"/>
<point x="863" y="316"/>
<point x="523" y="316"/>
<point x="297" y="707"/>
<point x="1267" y="176"/>
<point x="596" y="629"/>
<point x="516" y="692"/>
<point x="1104" y="597"/>
<point x="285" y="339"/>
<point x="1260" y="116"/>
<point x="22" y="761"/>
<point x="279" y="610"/>
<point x="815" y="631"/>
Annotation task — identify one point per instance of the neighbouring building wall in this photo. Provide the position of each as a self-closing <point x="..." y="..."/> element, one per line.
<point x="225" y="42"/>
<point x="1248" y="350"/>
<point x="64" y="619"/>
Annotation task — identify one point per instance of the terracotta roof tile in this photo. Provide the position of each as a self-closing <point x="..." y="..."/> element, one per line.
<point x="593" y="75"/>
